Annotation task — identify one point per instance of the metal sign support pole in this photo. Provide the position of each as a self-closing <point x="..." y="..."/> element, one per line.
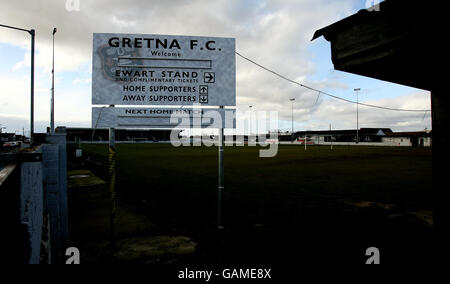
<point x="112" y="185"/>
<point x="33" y="39"/>
<point x="52" y="102"/>
<point x="221" y="177"/>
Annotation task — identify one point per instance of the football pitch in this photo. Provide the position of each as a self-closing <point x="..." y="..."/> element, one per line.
<point x="303" y="204"/>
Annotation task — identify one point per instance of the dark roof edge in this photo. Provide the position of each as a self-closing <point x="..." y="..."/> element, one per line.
<point x="346" y="22"/>
<point x="384" y="8"/>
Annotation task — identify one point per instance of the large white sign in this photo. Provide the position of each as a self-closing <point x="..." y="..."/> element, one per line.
<point x="130" y="69"/>
<point x="169" y="118"/>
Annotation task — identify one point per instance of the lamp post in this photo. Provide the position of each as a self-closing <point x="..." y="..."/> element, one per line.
<point x="357" y="90"/>
<point x="250" y="122"/>
<point x="52" y="106"/>
<point x="292" y="129"/>
<point x="33" y="35"/>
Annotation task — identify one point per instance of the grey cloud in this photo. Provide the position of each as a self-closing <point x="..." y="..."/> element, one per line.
<point x="275" y="33"/>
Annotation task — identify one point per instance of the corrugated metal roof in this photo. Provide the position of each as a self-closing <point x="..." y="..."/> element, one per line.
<point x="410" y="134"/>
<point x="362" y="131"/>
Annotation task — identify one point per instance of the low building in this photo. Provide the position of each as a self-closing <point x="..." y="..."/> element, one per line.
<point x="5" y="138"/>
<point x="412" y="139"/>
<point x="122" y="135"/>
<point x="366" y="136"/>
<point x="372" y="135"/>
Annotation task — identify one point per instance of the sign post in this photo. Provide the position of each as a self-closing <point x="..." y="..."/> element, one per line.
<point x="157" y="117"/>
<point x="136" y="69"/>
<point x="112" y="185"/>
<point x="151" y="71"/>
<point x="221" y="177"/>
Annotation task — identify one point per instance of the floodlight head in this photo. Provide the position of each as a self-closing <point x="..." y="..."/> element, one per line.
<point x="292" y="100"/>
<point x="357" y="89"/>
<point x="54" y="31"/>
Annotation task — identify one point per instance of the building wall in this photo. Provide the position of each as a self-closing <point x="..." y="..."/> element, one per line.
<point x="397" y="141"/>
<point x="34" y="190"/>
<point x="426" y="141"/>
<point x="32" y="207"/>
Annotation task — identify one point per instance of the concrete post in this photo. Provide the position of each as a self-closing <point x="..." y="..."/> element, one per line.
<point x="31" y="208"/>
<point x="55" y="191"/>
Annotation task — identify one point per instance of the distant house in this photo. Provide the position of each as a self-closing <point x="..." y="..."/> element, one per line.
<point x="413" y="139"/>
<point x="366" y="136"/>
<point x="6" y="137"/>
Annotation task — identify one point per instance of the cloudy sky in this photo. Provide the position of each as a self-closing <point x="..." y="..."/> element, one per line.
<point x="274" y="33"/>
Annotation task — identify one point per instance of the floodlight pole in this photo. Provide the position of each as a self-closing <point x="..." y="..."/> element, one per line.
<point x="357" y="114"/>
<point x="52" y="107"/>
<point x="250" y="123"/>
<point x="221" y="177"/>
<point x="33" y="35"/>
<point x="292" y="120"/>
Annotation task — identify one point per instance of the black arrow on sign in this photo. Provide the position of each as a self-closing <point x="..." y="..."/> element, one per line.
<point x="204" y="89"/>
<point x="203" y="99"/>
<point x="209" y="76"/>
